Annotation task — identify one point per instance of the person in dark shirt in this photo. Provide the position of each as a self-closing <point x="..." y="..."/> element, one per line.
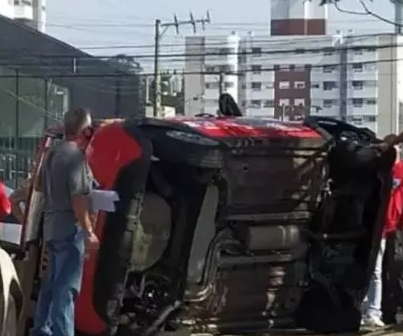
<point x="65" y="183"/>
<point x="372" y="315"/>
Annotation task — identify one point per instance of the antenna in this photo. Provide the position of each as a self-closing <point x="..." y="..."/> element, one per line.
<point x="176" y="24"/>
<point x="192" y="22"/>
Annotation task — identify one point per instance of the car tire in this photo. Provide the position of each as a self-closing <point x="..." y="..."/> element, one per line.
<point x="11" y="322"/>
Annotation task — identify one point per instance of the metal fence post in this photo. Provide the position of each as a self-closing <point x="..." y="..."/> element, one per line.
<point x="46" y="103"/>
<point x="17" y="126"/>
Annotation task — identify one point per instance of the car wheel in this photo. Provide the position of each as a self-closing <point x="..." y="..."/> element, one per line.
<point x="11" y="323"/>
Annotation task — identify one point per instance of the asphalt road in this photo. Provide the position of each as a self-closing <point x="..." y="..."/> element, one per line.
<point x="388" y="331"/>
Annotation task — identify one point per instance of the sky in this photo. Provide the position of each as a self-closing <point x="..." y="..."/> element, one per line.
<point x="107" y="27"/>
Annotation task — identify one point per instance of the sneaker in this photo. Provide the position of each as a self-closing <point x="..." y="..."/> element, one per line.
<point x="374" y="322"/>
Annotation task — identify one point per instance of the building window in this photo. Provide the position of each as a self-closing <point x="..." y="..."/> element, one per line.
<point x="244" y="86"/>
<point x="356" y="120"/>
<point x="329" y="68"/>
<point x="327" y="86"/>
<point x="284" y="68"/>
<point x="327" y="103"/>
<point x="256" y="69"/>
<point x="229" y="85"/>
<point x="227" y="68"/>
<point x="284" y="102"/>
<point x="257" y="51"/>
<point x="357" y="67"/>
<point x="315" y="85"/>
<point x="357" y="102"/>
<point x="256" y="103"/>
<point x="299" y="85"/>
<point x="212" y="86"/>
<point x="357" y="85"/>
<point x="243" y="103"/>
<point x="299" y="68"/>
<point x="210" y="68"/>
<point x="370" y="66"/>
<point x="256" y="86"/>
<point x="370" y="101"/>
<point x="300" y="51"/>
<point x="371" y="83"/>
<point x="284" y="85"/>
<point x="299" y="102"/>
<point x="369" y="118"/>
<point x="328" y="51"/>
<point x="268" y="103"/>
<point x="268" y="85"/>
<point x="225" y="51"/>
<point x="358" y="52"/>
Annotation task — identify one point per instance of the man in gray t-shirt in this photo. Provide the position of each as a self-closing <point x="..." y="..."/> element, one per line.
<point x="65" y="183"/>
<point x="64" y="174"/>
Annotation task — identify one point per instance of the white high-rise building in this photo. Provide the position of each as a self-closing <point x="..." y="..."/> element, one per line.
<point x="298" y="69"/>
<point x="29" y="12"/>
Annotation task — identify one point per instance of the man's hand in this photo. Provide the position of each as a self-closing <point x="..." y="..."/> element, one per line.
<point x="381" y="147"/>
<point x="388" y="142"/>
<point x="91" y="243"/>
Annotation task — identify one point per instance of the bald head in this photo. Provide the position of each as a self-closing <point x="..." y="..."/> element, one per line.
<point x="76" y="121"/>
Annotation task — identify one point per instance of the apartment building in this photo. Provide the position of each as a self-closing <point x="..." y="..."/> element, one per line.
<point x="29" y="12"/>
<point x="286" y="75"/>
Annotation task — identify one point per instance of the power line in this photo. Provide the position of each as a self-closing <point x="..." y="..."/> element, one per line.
<point x="217" y="73"/>
<point x="258" y="39"/>
<point x="207" y="44"/>
<point x="207" y="54"/>
<point x="216" y="24"/>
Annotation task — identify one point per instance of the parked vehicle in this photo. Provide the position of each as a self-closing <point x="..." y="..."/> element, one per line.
<point x="229" y="225"/>
<point x="11" y="303"/>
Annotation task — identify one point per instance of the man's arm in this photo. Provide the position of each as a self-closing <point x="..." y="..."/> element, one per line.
<point x="393" y="140"/>
<point x="19" y="196"/>
<point x="79" y="186"/>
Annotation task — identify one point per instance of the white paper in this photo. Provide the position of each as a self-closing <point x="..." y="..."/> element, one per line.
<point x="11" y="233"/>
<point x="104" y="200"/>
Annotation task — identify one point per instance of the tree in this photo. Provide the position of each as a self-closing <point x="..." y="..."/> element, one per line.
<point x="134" y="81"/>
<point x="125" y="63"/>
<point x="168" y="95"/>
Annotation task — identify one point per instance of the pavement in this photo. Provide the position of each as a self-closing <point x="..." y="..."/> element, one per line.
<point x="388" y="331"/>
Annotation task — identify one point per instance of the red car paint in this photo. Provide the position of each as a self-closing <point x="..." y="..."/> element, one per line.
<point x="5" y="205"/>
<point x="248" y="127"/>
<point x="118" y="149"/>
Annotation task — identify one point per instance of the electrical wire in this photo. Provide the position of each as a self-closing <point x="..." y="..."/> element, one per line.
<point x="300" y="50"/>
<point x="228" y="73"/>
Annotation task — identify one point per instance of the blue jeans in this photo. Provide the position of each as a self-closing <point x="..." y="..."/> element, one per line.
<point x="375" y="287"/>
<point x="60" y="287"/>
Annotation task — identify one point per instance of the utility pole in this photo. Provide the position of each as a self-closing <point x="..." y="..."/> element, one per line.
<point x="160" y="29"/>
<point x="221" y="83"/>
<point x="398" y="6"/>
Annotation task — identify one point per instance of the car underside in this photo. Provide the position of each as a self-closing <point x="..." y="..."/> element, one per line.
<point x="240" y="236"/>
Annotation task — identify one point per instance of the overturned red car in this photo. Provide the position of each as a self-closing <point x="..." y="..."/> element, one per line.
<point x="230" y="225"/>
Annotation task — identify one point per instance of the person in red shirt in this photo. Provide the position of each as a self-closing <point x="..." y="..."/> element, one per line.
<point x="392" y="298"/>
<point x="5" y="204"/>
<point x="373" y="312"/>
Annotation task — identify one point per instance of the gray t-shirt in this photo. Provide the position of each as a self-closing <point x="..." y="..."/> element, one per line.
<point x="64" y="174"/>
